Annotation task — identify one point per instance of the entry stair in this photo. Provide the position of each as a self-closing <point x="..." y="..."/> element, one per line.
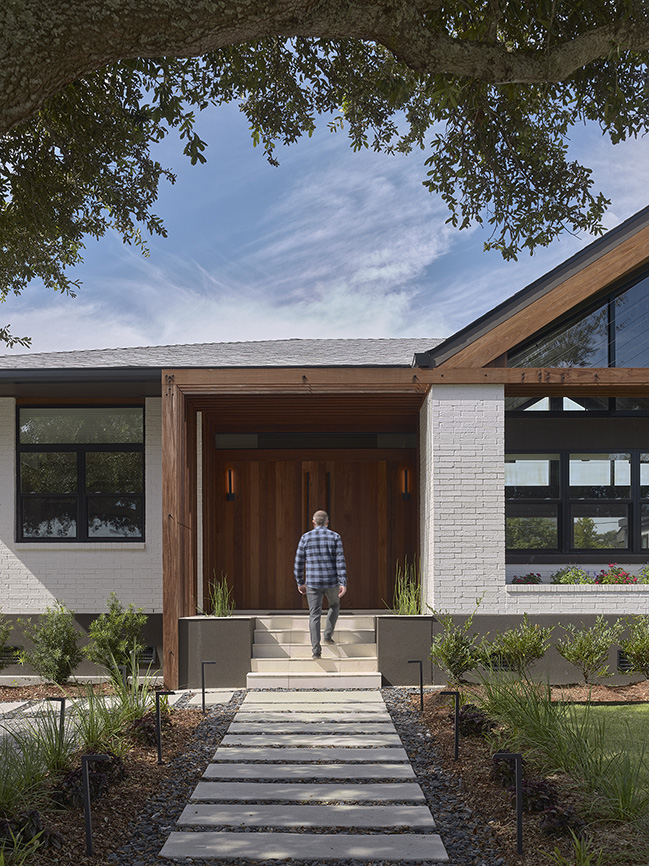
<point x="281" y="654"/>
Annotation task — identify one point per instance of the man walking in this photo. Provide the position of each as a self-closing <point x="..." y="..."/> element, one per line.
<point x="320" y="555"/>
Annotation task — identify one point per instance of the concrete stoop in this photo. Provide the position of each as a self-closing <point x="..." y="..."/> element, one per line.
<point x="281" y="654"/>
<point x="337" y="766"/>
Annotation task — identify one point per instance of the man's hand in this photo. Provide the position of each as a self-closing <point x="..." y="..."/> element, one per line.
<point x="301" y="588"/>
<point x="341" y="590"/>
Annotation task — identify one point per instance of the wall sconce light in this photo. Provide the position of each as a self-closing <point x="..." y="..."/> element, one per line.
<point x="405" y="490"/>
<point x="229" y="485"/>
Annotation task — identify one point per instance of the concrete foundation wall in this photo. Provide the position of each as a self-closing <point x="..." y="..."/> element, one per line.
<point x="552" y="667"/>
<point x="82" y="576"/>
<point x="151" y="636"/>
<point x="226" y="640"/>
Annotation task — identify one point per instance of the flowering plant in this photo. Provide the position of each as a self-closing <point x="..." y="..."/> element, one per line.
<point x="615" y="574"/>
<point x="531" y="577"/>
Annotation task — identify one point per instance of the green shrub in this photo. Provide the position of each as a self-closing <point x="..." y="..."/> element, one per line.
<point x="518" y="648"/>
<point x="454" y="650"/>
<point x="571" y="574"/>
<point x="636" y="646"/>
<point x="5" y="631"/>
<point x="115" y="635"/>
<point x="56" y="651"/>
<point x="407" y="589"/>
<point x="588" y="648"/>
<point x="643" y="574"/>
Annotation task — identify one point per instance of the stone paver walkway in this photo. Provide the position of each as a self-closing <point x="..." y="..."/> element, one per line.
<point x="296" y="761"/>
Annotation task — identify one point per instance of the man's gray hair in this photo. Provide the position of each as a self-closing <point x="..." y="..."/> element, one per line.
<point x="321" y="518"/>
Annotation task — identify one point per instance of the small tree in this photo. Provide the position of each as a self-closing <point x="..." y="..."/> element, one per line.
<point x="588" y="648"/>
<point x="115" y="635"/>
<point x="5" y="631"/>
<point x="636" y="646"/>
<point x="56" y="651"/>
<point x="519" y="647"/>
<point x="454" y="650"/>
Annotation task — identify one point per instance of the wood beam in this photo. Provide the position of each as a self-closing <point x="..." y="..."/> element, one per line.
<point x="604" y="381"/>
<point x="330" y="380"/>
<point x="576" y="289"/>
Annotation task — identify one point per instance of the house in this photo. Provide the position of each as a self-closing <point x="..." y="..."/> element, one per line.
<point x="519" y="444"/>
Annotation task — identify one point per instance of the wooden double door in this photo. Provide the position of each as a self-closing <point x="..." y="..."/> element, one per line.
<point x="258" y="503"/>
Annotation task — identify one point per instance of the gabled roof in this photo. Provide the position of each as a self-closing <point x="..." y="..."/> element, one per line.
<point x="607" y="260"/>
<point x="264" y="353"/>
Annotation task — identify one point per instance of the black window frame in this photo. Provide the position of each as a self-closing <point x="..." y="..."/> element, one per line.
<point x="81" y="495"/>
<point x="564" y="503"/>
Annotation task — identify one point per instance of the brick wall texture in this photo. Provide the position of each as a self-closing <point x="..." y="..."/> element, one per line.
<point x="463" y="497"/>
<point x="82" y="576"/>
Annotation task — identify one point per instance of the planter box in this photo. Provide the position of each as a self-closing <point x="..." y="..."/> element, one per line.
<point x="226" y="640"/>
<point x="399" y="639"/>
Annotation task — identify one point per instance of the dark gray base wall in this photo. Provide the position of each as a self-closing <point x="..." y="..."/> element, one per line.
<point x="225" y="640"/>
<point x="152" y="636"/>
<point x="400" y="639"/>
<point x="552" y="667"/>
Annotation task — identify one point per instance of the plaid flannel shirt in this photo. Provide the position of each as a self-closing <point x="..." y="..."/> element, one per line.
<point x="321" y="551"/>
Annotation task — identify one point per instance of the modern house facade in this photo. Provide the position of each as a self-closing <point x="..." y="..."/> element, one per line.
<point x="519" y="444"/>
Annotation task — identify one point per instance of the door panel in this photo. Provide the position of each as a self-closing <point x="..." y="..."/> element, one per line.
<point x="252" y="537"/>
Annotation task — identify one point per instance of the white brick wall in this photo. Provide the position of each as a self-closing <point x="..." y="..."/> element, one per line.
<point x="33" y="576"/>
<point x="463" y="497"/>
<point x="558" y="599"/>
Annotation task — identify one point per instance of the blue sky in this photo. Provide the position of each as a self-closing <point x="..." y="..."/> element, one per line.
<point x="330" y="244"/>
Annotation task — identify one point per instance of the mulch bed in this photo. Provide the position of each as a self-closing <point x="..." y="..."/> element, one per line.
<point x="625" y="845"/>
<point x="115" y="812"/>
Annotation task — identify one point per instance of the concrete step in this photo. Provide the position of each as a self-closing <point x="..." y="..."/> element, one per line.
<point x="301" y="621"/>
<point x="397" y="848"/>
<point x="309" y="792"/>
<point x="360" y="740"/>
<point x="301" y="636"/>
<point x="316" y="728"/>
<point x="299" y="772"/>
<point x="281" y="817"/>
<point x="262" y="715"/>
<point x="268" y="754"/>
<point x="311" y="665"/>
<point x="303" y="650"/>
<point x="294" y="680"/>
<point x="366" y="696"/>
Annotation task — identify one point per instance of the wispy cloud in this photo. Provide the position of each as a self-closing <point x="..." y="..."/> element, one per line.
<point x="331" y="244"/>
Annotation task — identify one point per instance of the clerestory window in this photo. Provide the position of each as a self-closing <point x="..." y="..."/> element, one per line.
<point x="80" y="473"/>
<point x="612" y="333"/>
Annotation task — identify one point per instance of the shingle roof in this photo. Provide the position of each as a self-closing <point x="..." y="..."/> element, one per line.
<point x="263" y="353"/>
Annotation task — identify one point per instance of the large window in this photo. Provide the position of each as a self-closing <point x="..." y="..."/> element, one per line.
<point x="612" y="333"/>
<point x="80" y="474"/>
<point x="577" y="502"/>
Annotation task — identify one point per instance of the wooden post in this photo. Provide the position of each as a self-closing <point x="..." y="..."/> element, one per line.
<point x="178" y="527"/>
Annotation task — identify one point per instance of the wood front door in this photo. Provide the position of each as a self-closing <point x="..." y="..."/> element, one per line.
<point x="257" y="505"/>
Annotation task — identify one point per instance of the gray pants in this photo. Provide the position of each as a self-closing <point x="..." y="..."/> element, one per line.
<point x="315" y="597"/>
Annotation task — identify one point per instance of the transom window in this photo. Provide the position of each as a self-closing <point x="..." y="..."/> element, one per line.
<point x="572" y="502"/>
<point x="80" y="474"/>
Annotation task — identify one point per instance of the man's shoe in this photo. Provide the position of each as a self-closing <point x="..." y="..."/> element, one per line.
<point x="316" y="655"/>
<point x="328" y="639"/>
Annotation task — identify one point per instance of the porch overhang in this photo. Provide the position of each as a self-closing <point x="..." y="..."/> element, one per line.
<point x="392" y="390"/>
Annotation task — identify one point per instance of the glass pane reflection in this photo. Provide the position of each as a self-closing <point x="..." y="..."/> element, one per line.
<point x="599" y="527"/>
